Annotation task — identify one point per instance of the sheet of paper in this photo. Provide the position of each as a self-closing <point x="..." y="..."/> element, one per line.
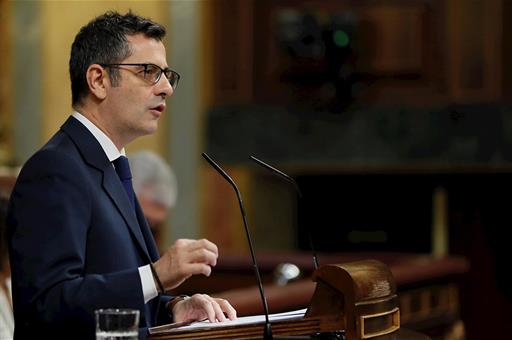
<point x="246" y="320"/>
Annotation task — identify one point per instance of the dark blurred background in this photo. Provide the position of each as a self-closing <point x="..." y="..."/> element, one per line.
<point x="393" y="116"/>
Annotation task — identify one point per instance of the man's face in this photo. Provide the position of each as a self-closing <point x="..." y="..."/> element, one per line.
<point x="135" y="104"/>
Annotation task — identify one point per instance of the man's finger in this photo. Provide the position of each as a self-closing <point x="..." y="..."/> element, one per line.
<point x="202" y="256"/>
<point x="208" y="307"/>
<point x="219" y="314"/>
<point x="197" y="268"/>
<point x="204" y="243"/>
<point x="227" y="308"/>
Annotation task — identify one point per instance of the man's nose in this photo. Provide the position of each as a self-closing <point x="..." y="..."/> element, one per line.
<point x="164" y="87"/>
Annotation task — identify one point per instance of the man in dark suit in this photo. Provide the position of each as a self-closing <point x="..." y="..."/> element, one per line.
<point x="78" y="240"/>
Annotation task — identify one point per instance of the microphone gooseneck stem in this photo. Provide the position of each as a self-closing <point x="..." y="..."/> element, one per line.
<point x="299" y="193"/>
<point x="267" y="335"/>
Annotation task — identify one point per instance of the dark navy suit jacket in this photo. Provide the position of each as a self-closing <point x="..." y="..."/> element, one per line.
<point x="75" y="242"/>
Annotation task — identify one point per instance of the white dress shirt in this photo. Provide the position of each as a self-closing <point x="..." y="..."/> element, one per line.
<point x="146" y="276"/>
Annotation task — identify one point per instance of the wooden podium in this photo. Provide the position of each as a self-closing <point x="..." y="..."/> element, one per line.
<point x="355" y="301"/>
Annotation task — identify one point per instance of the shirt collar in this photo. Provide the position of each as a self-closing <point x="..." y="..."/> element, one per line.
<point x="106" y="143"/>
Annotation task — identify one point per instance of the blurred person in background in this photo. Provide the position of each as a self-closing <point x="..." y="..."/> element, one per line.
<point x="156" y="188"/>
<point x="6" y="314"/>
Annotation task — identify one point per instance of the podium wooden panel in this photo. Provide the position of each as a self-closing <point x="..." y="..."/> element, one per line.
<point x="357" y="300"/>
<point x="428" y="287"/>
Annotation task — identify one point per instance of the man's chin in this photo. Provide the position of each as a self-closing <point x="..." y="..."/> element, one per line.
<point x="151" y="128"/>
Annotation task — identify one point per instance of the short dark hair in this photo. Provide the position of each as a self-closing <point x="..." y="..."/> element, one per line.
<point x="104" y="41"/>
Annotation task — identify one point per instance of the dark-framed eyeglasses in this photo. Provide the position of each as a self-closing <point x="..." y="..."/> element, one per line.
<point x="152" y="73"/>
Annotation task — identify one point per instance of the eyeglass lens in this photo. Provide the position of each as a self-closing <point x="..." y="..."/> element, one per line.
<point x="154" y="72"/>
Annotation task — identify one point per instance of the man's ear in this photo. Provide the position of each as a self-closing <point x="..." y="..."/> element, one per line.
<point x="98" y="81"/>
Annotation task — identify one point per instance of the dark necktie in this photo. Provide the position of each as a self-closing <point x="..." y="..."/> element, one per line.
<point x="125" y="175"/>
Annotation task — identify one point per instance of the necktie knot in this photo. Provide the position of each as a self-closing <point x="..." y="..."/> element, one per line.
<point x="123" y="168"/>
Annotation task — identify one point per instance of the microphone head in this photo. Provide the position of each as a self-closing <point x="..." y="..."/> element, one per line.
<point x="280" y="173"/>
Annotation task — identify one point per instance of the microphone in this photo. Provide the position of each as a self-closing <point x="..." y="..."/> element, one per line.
<point x="267" y="333"/>
<point x="299" y="193"/>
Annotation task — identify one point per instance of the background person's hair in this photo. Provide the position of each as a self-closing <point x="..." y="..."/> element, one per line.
<point x="104" y="41"/>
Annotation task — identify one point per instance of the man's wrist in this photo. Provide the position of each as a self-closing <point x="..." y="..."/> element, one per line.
<point x="157" y="279"/>
<point x="173" y="302"/>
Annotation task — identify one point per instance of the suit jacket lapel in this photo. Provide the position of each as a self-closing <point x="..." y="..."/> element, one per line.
<point x="94" y="156"/>
<point x="146" y="232"/>
<point x="115" y="190"/>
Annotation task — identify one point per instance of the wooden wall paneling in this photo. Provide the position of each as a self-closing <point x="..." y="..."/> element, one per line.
<point x="507" y="50"/>
<point x="473" y="49"/>
<point x="233" y="51"/>
<point x="402" y="56"/>
<point x="397" y="44"/>
<point x="265" y="55"/>
<point x="434" y="57"/>
<point x="394" y="43"/>
<point x="444" y="50"/>
<point x="223" y="224"/>
<point x="506" y="55"/>
<point x="493" y="46"/>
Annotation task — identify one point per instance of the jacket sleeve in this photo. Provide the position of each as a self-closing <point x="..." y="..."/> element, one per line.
<point x="163" y="316"/>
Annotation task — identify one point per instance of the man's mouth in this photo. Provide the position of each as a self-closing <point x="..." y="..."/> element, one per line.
<point x="159" y="108"/>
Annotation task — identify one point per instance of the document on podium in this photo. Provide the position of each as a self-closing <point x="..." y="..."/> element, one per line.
<point x="246" y="320"/>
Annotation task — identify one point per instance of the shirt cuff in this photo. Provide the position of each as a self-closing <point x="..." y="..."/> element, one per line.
<point x="148" y="283"/>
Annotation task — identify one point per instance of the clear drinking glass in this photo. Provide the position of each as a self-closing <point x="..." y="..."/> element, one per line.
<point x="117" y="324"/>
